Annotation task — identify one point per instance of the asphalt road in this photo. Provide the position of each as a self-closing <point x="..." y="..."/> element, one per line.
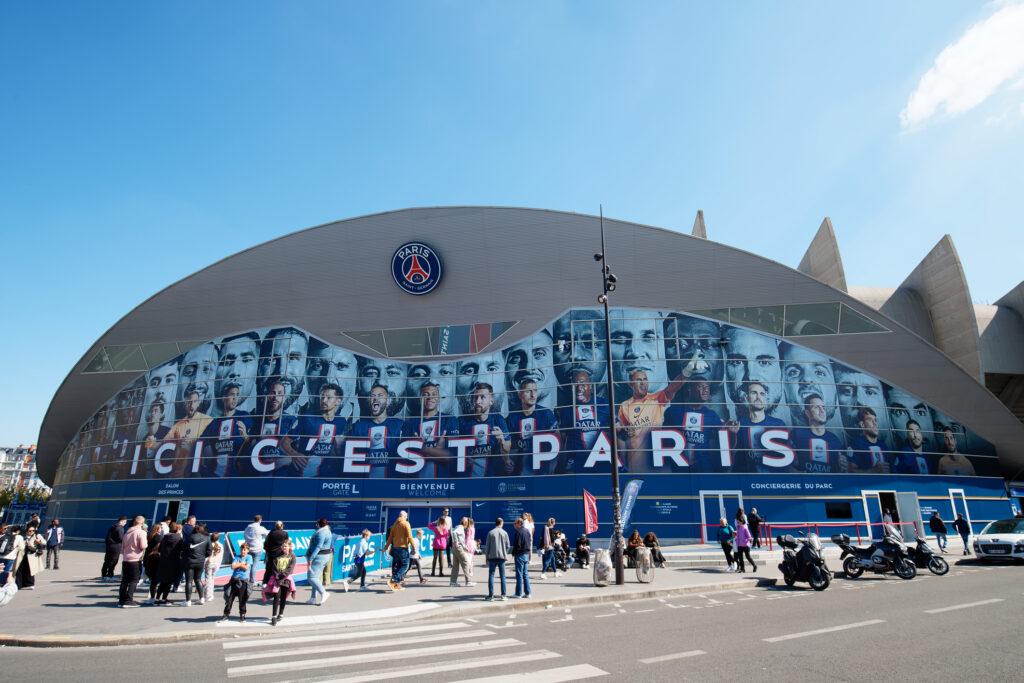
<point x="957" y="627"/>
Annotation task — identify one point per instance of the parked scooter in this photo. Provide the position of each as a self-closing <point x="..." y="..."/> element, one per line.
<point x="923" y="556"/>
<point x="804" y="564"/>
<point x="889" y="554"/>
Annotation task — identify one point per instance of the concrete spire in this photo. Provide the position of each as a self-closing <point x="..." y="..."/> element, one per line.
<point x="822" y="260"/>
<point x="940" y="282"/>
<point x="699" y="229"/>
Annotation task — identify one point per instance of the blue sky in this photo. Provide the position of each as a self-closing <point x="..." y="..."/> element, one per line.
<point x="143" y="141"/>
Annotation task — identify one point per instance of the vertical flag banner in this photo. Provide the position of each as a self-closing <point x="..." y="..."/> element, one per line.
<point x="629" y="495"/>
<point x="589" y="513"/>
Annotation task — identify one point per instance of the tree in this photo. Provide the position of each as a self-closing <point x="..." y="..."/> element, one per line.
<point x="23" y="494"/>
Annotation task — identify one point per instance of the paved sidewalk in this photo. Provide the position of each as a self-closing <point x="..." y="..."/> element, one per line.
<point x="72" y="607"/>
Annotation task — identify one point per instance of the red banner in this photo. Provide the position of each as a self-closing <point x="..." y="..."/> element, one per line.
<point x="589" y="513"/>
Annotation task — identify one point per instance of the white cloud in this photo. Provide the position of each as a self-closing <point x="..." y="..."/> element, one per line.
<point x="967" y="72"/>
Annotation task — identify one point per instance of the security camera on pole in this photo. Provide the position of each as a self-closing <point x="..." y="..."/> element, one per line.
<point x="608" y="280"/>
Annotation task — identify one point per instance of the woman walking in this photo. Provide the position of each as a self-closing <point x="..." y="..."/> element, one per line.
<point x="439" y="545"/>
<point x="280" y="576"/>
<point x="32" y="560"/>
<point x="212" y="565"/>
<point x="743" y="538"/>
<point x="725" y="536"/>
<point x="471" y="545"/>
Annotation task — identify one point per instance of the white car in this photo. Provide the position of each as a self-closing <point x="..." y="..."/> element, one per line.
<point x="1002" y="539"/>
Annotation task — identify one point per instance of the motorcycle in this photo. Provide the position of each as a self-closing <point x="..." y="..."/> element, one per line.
<point x="923" y="556"/>
<point x="889" y="554"/>
<point x="802" y="560"/>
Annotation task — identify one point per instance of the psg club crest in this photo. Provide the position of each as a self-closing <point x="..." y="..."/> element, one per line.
<point x="416" y="268"/>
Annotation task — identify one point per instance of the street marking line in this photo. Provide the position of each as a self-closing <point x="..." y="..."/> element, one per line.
<point x="565" y="673"/>
<point x="831" y="629"/>
<point x="270" y="642"/>
<point x="364" y="658"/>
<point x="602" y="616"/>
<point x="668" y="658"/>
<point x="420" y="669"/>
<point x="963" y="606"/>
<point x="642" y="611"/>
<point x="291" y="652"/>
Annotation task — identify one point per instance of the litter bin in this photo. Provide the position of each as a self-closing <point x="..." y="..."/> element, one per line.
<point x="602" y="567"/>
<point x="644" y="565"/>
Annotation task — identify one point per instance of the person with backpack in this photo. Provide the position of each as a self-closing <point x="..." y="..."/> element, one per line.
<point x="115" y="536"/>
<point x="279" y="583"/>
<point x="547" y="546"/>
<point x="725" y="535"/>
<point x="359" y="554"/>
<point x="54" y="538"/>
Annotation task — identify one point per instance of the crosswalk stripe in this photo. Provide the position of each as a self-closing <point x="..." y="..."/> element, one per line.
<point x="364" y="658"/>
<point x="565" y="673"/>
<point x="347" y="635"/>
<point x="441" y="667"/>
<point x="293" y="652"/>
<point x="675" y="655"/>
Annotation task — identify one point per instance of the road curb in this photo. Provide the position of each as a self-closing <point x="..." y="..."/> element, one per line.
<point x="11" y="640"/>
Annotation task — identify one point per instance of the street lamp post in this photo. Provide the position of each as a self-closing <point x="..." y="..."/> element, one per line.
<point x="608" y="281"/>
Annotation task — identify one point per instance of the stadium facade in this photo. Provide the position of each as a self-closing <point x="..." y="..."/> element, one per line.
<point x="456" y="357"/>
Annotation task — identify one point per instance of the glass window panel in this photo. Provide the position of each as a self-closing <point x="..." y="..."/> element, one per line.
<point x="768" y="319"/>
<point x="124" y="358"/>
<point x="852" y="322"/>
<point x="408" y="342"/>
<point x="714" y="313"/>
<point x="99" y="363"/>
<point x="498" y="329"/>
<point x="809" y="319"/>
<point x="374" y="339"/>
<point x="155" y="354"/>
<point x="450" y="339"/>
<point x="185" y="346"/>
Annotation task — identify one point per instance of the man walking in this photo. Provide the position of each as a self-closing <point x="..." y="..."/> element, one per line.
<point x="964" y="529"/>
<point x="254" y="535"/>
<point x="115" y="536"/>
<point x="521" y="557"/>
<point x="496" y="550"/>
<point x="54" y="542"/>
<point x="318" y="554"/>
<point x="754" y="524"/>
<point x="133" y="546"/>
<point x="399" y="539"/>
<point x="938" y="528"/>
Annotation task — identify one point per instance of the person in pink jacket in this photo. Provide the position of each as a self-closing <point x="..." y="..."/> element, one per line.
<point x="743" y="539"/>
<point x="133" y="546"/>
<point x="440" y="544"/>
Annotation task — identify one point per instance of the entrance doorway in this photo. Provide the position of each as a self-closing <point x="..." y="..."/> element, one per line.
<point x="717" y="504"/>
<point x="958" y="500"/>
<point x="176" y="509"/>
<point x="904" y="508"/>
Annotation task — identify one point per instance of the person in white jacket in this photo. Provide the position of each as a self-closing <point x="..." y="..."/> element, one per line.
<point x="212" y="565"/>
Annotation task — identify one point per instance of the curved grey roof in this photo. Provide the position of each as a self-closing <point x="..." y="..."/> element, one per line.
<point x="547" y="256"/>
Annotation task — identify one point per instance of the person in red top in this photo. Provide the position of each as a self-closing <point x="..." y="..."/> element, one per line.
<point x="644" y="411"/>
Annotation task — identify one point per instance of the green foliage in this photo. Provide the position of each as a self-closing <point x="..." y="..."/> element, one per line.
<point x="23" y="494"/>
